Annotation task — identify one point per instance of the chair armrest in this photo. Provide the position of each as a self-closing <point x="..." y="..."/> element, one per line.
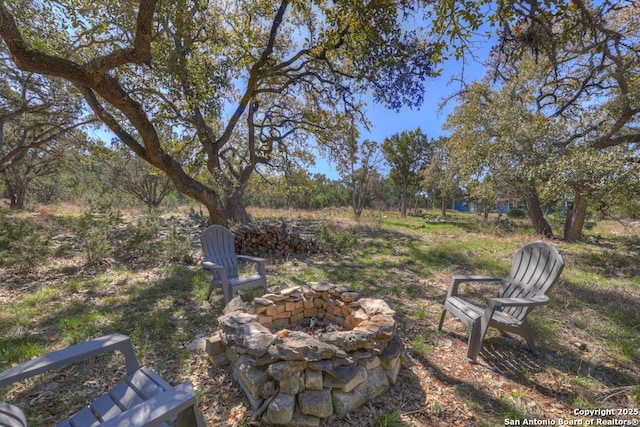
<point x="250" y="258"/>
<point x="160" y="408"/>
<point x="73" y="354"/>
<point x="456" y="280"/>
<point x="520" y="302"/>
<point x="210" y="265"/>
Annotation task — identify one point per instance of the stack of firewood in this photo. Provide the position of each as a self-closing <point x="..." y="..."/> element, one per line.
<point x="269" y="240"/>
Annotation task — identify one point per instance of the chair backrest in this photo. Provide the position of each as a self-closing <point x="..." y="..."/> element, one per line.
<point x="218" y="245"/>
<point x="536" y="267"/>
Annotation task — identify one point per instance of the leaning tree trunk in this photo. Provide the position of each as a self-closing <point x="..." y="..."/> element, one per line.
<point x="575" y="218"/>
<point x="534" y="209"/>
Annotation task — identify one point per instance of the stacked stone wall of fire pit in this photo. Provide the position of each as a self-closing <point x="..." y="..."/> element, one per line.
<point x="305" y="353"/>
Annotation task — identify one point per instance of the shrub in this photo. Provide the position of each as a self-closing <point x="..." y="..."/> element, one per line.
<point x="22" y="243"/>
<point x="334" y="241"/>
<point x="139" y="236"/>
<point x="177" y="247"/>
<point x="516" y="213"/>
<point x="93" y="229"/>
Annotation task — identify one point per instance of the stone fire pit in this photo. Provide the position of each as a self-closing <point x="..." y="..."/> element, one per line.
<point x="305" y="353"/>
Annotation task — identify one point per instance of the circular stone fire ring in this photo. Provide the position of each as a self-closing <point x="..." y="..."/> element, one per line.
<point x="305" y="353"/>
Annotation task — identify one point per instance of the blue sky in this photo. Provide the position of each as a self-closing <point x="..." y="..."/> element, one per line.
<point x="428" y="118"/>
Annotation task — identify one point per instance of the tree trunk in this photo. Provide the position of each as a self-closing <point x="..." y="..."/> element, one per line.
<point x="534" y="209"/>
<point x="403" y="201"/>
<point x="575" y="218"/>
<point x="17" y="194"/>
<point x="443" y="206"/>
<point x="235" y="208"/>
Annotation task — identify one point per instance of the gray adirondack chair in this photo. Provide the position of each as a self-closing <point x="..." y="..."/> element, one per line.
<point x="218" y="245"/>
<point x="535" y="269"/>
<point x="141" y="399"/>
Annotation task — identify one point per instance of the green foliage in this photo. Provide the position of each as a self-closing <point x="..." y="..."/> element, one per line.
<point x="177" y="247"/>
<point x="335" y="241"/>
<point x="393" y="419"/>
<point x="516" y="213"/>
<point x="95" y="231"/>
<point x="22" y="243"/>
<point x="139" y="236"/>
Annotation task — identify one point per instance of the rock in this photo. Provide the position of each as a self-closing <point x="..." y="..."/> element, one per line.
<point x="349" y="296"/>
<point x="280" y="410"/>
<point x="214" y="345"/>
<point x="235" y="319"/>
<point x="317" y="403"/>
<point x="345" y="377"/>
<point x="263" y="301"/>
<point x="383" y="326"/>
<point x="373" y="306"/>
<point x="250" y="377"/>
<point x="301" y="346"/>
<point x="321" y="286"/>
<point x="236" y="304"/>
<point x="313" y="379"/>
<point x="255" y="338"/>
<point x="300" y="420"/>
<point x="290" y="385"/>
<point x="350" y="340"/>
<point x="286" y="369"/>
<point x="394" y="370"/>
<point x="376" y="384"/>
<point x="393" y="350"/>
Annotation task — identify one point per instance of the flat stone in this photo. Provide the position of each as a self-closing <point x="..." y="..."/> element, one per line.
<point x="383" y="326"/>
<point x="349" y="296"/>
<point x="373" y="306"/>
<point x="313" y="379"/>
<point x="300" y="420"/>
<point x="275" y="297"/>
<point x="235" y="319"/>
<point x="393" y="350"/>
<point x="321" y="365"/>
<point x="263" y="301"/>
<point x="301" y="346"/>
<point x="290" y="385"/>
<point x="292" y="290"/>
<point x="280" y="410"/>
<point x="236" y="304"/>
<point x="317" y="403"/>
<point x="350" y="340"/>
<point x="214" y="345"/>
<point x="321" y="286"/>
<point x="346" y="378"/>
<point x="257" y="345"/>
<point x="250" y="377"/>
<point x="376" y="384"/>
<point x="394" y="370"/>
<point x="285" y="369"/>
<point x="370" y="362"/>
<point x="266" y="359"/>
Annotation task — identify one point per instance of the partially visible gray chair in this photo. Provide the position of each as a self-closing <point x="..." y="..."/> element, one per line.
<point x="218" y="245"/>
<point x="141" y="399"/>
<point x="536" y="267"/>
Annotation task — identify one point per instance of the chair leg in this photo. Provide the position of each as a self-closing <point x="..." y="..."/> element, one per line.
<point x="475" y="341"/>
<point x="210" y="291"/>
<point x="525" y="331"/>
<point x="444" y="313"/>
